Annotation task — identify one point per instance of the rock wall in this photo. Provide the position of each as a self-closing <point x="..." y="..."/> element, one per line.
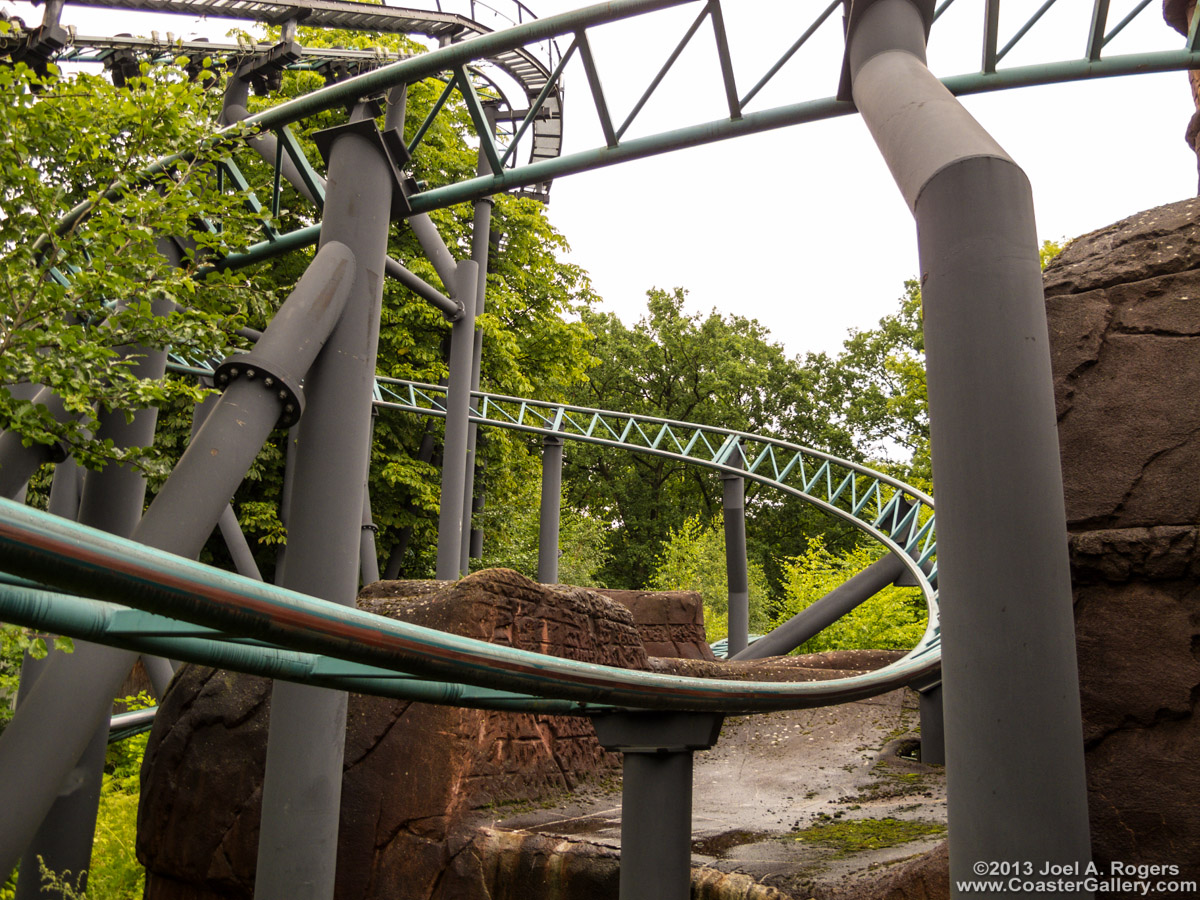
<point x="671" y="623"/>
<point x="412" y="771"/>
<point x="1123" y="305"/>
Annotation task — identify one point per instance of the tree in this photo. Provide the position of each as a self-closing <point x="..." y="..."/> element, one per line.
<point x="894" y="619"/>
<point x="511" y="536"/>
<point x="875" y="389"/>
<point x="693" y="559"/>
<point x="713" y="370"/>
<point x="76" y="297"/>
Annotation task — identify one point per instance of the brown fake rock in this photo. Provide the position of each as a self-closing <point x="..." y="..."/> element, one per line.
<point x="671" y="623"/>
<point x="412" y="771"/>
<point x="511" y="865"/>
<point x="1124" y="315"/>
<point x="927" y="877"/>
<point x="1123" y="306"/>
<point x="806" y="667"/>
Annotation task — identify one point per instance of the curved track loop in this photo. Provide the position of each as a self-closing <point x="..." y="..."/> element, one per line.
<point x="57" y="553"/>
<point x="893" y="513"/>
<point x="157" y="603"/>
<point x="1096" y="31"/>
<point x="51" y="551"/>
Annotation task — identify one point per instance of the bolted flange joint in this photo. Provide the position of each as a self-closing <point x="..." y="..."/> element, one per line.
<point x="271" y="377"/>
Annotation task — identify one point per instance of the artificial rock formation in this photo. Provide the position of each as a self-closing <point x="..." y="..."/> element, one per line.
<point x="670" y="623"/>
<point x="1123" y="305"/>
<point x="412" y="771"/>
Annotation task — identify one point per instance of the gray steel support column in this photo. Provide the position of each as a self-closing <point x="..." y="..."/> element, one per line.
<point x="236" y="544"/>
<point x="18" y="462"/>
<point x="262" y="385"/>
<point x="434" y="247"/>
<point x="160" y="672"/>
<point x="368" y="565"/>
<point x="65" y="489"/>
<point x="820" y="615"/>
<point x="458" y="401"/>
<point x="1008" y="645"/>
<point x="297" y="850"/>
<point x="63" y="842"/>
<point x="736" y="569"/>
<point x="368" y="553"/>
<point x="64" y="839"/>
<point x="267" y="147"/>
<point x="72" y="697"/>
<point x="656" y="797"/>
<point x="481" y="231"/>
<point x="285" y="500"/>
<point x="933" y="725"/>
<point x="548" y="518"/>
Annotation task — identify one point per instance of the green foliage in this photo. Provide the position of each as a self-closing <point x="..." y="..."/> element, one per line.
<point x="859" y="835"/>
<point x="713" y="370"/>
<point x="894" y="619"/>
<point x="511" y="538"/>
<point x="875" y="389"/>
<point x="1051" y="249"/>
<point x="78" y="142"/>
<point x="693" y="559"/>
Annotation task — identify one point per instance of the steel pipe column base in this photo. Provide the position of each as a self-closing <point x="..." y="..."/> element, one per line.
<point x="933" y="726"/>
<point x="548" y="518"/>
<point x="736" y="569"/>
<point x="656" y="797"/>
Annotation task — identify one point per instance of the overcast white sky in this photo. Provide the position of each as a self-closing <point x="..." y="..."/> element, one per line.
<point x="803" y="228"/>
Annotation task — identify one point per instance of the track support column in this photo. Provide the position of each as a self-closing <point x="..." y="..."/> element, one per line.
<point x="736" y="569"/>
<point x="297" y="849"/>
<point x="548" y="518"/>
<point x="481" y="232"/>
<point x="656" y="797"/>
<point x="1009" y="667"/>
<point x="458" y="409"/>
<point x="933" y="725"/>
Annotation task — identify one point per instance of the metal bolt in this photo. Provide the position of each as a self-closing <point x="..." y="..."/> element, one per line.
<point x="250" y="373"/>
<point x="283" y="395"/>
<point x="268" y="381"/>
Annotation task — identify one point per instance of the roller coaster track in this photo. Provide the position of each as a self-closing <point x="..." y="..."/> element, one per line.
<point x="541" y="69"/>
<point x="81" y="582"/>
<point x="864" y="498"/>
<point x="528" y="67"/>
<point x="200" y="630"/>
<point x="893" y="513"/>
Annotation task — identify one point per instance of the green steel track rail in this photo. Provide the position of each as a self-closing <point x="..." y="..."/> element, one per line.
<point x="1097" y="31"/>
<point x="143" y="596"/>
<point x="60" y="556"/>
<point x="1096" y="34"/>
<point x="158" y="606"/>
<point x="893" y="513"/>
